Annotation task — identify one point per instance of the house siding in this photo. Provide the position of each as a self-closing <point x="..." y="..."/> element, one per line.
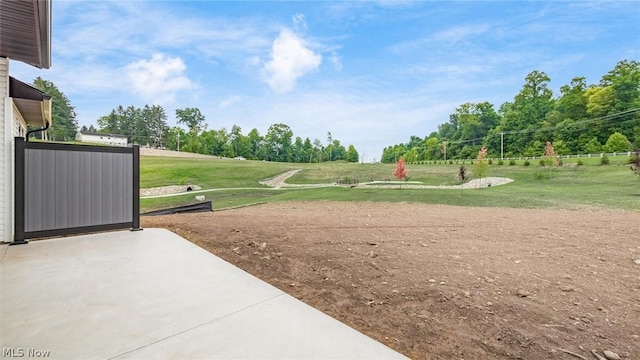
<point x="6" y="218"/>
<point x="11" y="125"/>
<point x="109" y="139"/>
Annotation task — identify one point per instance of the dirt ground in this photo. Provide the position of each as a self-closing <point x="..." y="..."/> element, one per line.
<point x="444" y="282"/>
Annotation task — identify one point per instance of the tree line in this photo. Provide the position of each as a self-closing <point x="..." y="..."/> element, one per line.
<point x="147" y="126"/>
<point x="583" y="118"/>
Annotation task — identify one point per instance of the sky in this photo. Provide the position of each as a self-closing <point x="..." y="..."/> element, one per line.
<point x="372" y="73"/>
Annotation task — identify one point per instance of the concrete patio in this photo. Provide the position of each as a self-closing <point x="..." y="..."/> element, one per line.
<point x="154" y="295"/>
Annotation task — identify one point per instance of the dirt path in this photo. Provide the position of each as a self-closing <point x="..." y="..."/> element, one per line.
<point x="444" y="282"/>
<point x="280" y="181"/>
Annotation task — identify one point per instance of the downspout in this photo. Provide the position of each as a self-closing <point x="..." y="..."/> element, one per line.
<point x="35" y="131"/>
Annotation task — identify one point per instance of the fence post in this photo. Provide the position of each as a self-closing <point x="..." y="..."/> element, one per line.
<point x="136" y="188"/>
<point x="19" y="193"/>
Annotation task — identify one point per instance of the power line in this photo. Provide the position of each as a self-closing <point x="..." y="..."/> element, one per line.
<point x="551" y="128"/>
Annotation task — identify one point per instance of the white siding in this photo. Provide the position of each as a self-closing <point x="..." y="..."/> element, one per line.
<point x="11" y="125"/>
<point x="6" y="211"/>
<point x="102" y="138"/>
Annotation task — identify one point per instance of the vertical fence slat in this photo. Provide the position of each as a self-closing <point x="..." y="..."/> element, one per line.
<point x="136" y="188"/>
<point x="18" y="220"/>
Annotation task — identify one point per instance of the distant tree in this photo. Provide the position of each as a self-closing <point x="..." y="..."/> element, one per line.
<point x="617" y="142"/>
<point x="352" y="154"/>
<point x="278" y="141"/>
<point x="309" y="152"/>
<point x="147" y="126"/>
<point x="401" y="172"/>
<point x="153" y="125"/>
<point x="240" y="143"/>
<point x="481" y="166"/>
<point x="593" y="146"/>
<point x="64" y="124"/>
<point x="256" y="145"/>
<point x="192" y="118"/>
<point x="176" y="138"/>
<point x="432" y="148"/>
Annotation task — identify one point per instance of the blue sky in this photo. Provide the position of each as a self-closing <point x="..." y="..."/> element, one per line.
<point x="372" y="73"/>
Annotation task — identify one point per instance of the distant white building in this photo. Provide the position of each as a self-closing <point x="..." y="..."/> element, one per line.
<point x="108" y="139"/>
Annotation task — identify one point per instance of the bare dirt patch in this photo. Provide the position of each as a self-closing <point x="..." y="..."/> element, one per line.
<point x="443" y="282"/>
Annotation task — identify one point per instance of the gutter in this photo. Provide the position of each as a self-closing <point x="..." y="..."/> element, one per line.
<point x="36" y="131"/>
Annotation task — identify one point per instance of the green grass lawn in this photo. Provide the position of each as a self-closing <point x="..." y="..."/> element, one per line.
<point x="590" y="186"/>
<point x="207" y="173"/>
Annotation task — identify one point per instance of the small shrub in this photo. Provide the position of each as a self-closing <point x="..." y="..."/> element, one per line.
<point x="490" y="162"/>
<point x="543" y="162"/>
<point x="512" y="162"/>
<point x="526" y="163"/>
<point x="580" y="163"/>
<point x="450" y="162"/>
<point x="500" y="162"/>
<point x="604" y="160"/>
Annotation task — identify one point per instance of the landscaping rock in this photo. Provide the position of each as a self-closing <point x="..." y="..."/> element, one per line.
<point x="611" y="355"/>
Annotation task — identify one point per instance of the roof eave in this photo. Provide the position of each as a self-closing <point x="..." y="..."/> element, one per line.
<point x="25" y="31"/>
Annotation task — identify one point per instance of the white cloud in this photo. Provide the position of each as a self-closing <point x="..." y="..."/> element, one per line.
<point x="454" y="35"/>
<point x="336" y="61"/>
<point x="159" y="78"/>
<point x="300" y="23"/>
<point x="229" y="101"/>
<point x="290" y="59"/>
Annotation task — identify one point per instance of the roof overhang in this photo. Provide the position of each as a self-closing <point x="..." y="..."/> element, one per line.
<point x="33" y="104"/>
<point x="25" y="31"/>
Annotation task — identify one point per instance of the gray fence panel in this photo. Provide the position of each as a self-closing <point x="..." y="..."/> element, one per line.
<point x="70" y="187"/>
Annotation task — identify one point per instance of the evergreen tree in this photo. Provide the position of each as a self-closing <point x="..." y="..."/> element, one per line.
<point x="64" y="124"/>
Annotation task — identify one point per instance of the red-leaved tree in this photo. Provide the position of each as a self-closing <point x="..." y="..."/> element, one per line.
<point x="401" y="172"/>
<point x="550" y="156"/>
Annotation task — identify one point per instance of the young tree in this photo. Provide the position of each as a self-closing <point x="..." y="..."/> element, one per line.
<point x="462" y="174"/>
<point x="481" y="167"/>
<point x="550" y="156"/>
<point x="635" y="162"/>
<point x="401" y="172"/>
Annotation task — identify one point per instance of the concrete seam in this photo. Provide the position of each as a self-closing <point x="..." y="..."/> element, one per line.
<point x="197" y="326"/>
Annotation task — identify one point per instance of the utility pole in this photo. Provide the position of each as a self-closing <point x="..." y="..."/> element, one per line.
<point x="444" y="143"/>
<point x="502" y="145"/>
<point x="178" y="135"/>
